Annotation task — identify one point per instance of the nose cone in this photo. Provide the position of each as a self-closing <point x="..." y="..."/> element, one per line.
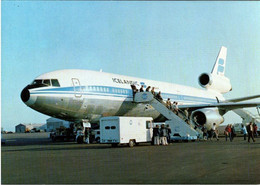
<point x="25" y="94"/>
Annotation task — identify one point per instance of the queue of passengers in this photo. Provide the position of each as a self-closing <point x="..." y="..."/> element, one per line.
<point x="172" y="106"/>
<point x="249" y="131"/>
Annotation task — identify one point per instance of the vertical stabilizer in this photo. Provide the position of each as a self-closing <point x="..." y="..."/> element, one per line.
<point x="219" y="67"/>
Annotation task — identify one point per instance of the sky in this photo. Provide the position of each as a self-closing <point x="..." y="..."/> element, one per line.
<point x="166" y="41"/>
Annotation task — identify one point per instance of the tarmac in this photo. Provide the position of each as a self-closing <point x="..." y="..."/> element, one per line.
<point x="32" y="158"/>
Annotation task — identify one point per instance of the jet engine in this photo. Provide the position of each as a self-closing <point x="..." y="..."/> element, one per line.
<point x="206" y="117"/>
<point x="219" y="83"/>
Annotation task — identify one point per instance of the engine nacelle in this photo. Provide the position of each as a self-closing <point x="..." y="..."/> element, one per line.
<point x="219" y="83"/>
<point x="206" y="117"/>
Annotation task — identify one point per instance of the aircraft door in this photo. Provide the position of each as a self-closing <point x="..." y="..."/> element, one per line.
<point x="77" y="87"/>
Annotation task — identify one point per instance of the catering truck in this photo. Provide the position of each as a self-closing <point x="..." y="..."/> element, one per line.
<point x="125" y="130"/>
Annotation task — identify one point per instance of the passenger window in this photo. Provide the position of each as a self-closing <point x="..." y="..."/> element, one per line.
<point x="55" y="82"/>
<point x="107" y="127"/>
<point x="47" y="82"/>
<point x="113" y="127"/>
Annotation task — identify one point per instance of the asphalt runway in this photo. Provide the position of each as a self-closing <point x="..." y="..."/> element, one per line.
<point x="33" y="159"/>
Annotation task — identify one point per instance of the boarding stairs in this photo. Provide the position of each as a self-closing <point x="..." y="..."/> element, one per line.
<point x="245" y="115"/>
<point x="176" y="122"/>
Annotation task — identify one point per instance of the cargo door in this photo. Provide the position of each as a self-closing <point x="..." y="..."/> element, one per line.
<point x="109" y="132"/>
<point x="77" y="87"/>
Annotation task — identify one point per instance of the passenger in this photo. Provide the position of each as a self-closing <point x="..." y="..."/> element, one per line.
<point x="169" y="103"/>
<point x="255" y="130"/>
<point x="156" y="135"/>
<point x="142" y="89"/>
<point x="214" y="132"/>
<point x="243" y="129"/>
<point x="227" y="132"/>
<point x="152" y="91"/>
<point x="135" y="90"/>
<point x="205" y="133"/>
<point x="148" y="89"/>
<point x="163" y="135"/>
<point x="233" y="132"/>
<point x="87" y="134"/>
<point x="169" y="131"/>
<point x="175" y="108"/>
<point x="159" y="97"/>
<point x="186" y="112"/>
<point x="250" y="131"/>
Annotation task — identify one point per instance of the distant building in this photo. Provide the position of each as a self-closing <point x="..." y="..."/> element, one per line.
<point x="22" y="128"/>
<point x="53" y="123"/>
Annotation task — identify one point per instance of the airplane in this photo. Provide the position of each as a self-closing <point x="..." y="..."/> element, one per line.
<point x="76" y="95"/>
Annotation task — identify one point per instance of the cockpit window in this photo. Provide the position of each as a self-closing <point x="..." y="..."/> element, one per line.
<point x="35" y="82"/>
<point x="44" y="83"/>
<point x="55" y="82"/>
<point x="47" y="82"/>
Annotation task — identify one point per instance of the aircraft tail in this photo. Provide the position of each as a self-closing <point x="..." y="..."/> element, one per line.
<point x="220" y="64"/>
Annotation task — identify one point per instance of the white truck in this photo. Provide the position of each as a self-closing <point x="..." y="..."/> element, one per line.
<point x="125" y="130"/>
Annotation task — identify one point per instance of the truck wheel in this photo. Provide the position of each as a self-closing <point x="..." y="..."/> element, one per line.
<point x="131" y="143"/>
<point x="98" y="140"/>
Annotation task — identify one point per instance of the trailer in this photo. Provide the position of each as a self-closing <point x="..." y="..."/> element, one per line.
<point x="125" y="130"/>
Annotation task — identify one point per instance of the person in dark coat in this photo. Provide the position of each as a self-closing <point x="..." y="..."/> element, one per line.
<point x="148" y="89"/>
<point x="159" y="97"/>
<point x="135" y="90"/>
<point x="156" y="135"/>
<point x="250" y="131"/>
<point x="233" y="132"/>
<point x="142" y="89"/>
<point x="169" y="131"/>
<point x="205" y="133"/>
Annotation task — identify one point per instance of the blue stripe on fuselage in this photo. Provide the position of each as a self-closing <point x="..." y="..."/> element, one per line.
<point x="116" y="92"/>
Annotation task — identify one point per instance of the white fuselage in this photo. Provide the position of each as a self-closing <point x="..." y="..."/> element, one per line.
<point x="85" y="94"/>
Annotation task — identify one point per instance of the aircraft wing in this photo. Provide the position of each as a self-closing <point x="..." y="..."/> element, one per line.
<point x="242" y="99"/>
<point x="225" y="106"/>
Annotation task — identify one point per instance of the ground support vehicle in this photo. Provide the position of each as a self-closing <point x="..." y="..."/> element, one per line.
<point x="125" y="130"/>
<point x="63" y="134"/>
